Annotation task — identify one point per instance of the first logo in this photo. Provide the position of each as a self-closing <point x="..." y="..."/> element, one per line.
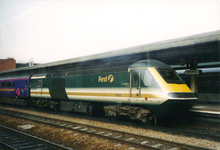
<point x="18" y="92"/>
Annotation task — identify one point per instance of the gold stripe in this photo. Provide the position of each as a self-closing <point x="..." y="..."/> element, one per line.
<point x="98" y="94"/>
<point x="40" y="92"/>
<point x="7" y="90"/>
<point x="113" y="95"/>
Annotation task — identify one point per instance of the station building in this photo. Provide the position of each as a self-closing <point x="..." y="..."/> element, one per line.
<point x="10" y="63"/>
<point x="7" y="64"/>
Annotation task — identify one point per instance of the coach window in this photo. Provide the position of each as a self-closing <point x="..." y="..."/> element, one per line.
<point x="3" y="84"/>
<point x="39" y="83"/>
<point x="8" y="84"/>
<point x="13" y="84"/>
<point x="25" y="83"/>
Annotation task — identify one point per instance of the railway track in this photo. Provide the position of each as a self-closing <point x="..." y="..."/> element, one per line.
<point x="12" y="139"/>
<point x="184" y="132"/>
<point x="204" y="116"/>
<point x="137" y="141"/>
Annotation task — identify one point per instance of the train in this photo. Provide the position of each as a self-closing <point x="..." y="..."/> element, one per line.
<point x="145" y="90"/>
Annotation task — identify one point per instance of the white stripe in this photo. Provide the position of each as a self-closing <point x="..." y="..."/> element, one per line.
<point x="39" y="77"/>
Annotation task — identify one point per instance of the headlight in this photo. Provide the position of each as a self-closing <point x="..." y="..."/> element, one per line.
<point x="181" y="95"/>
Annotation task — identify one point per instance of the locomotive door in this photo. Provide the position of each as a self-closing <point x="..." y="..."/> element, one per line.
<point x="135" y="85"/>
<point x="58" y="89"/>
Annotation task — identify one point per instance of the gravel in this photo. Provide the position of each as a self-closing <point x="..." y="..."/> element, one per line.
<point x="79" y="141"/>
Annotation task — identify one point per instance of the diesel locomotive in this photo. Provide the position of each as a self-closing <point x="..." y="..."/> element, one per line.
<point x="145" y="90"/>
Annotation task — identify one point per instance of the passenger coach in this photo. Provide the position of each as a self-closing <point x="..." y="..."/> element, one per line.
<point x="14" y="89"/>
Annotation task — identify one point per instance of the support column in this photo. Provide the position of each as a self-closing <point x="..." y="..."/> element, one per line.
<point x="193" y="84"/>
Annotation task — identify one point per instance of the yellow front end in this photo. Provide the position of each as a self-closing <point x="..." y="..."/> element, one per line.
<point x="169" y="87"/>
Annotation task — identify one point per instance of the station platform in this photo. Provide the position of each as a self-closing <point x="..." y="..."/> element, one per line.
<point x="206" y="108"/>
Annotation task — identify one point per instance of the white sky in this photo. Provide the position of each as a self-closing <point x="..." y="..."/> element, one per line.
<point x="49" y="31"/>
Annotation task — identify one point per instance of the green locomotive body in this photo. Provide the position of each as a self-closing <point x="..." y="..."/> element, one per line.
<point x="145" y="90"/>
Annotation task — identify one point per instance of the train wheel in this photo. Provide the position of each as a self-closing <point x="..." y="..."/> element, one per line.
<point x="144" y="120"/>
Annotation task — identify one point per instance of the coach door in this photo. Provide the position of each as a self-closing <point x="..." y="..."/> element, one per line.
<point x="36" y="85"/>
<point x="135" y="85"/>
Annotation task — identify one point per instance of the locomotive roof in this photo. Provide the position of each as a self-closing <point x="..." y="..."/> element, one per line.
<point x="132" y="51"/>
<point x="150" y="63"/>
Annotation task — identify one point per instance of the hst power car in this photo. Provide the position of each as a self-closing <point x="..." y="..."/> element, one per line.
<point x="145" y="90"/>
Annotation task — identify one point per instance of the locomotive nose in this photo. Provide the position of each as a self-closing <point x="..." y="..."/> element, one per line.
<point x="174" y="108"/>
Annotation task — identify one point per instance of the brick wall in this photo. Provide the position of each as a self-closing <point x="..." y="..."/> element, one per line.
<point x="7" y="64"/>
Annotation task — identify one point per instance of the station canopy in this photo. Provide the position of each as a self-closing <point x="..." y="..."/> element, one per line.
<point x="202" y="49"/>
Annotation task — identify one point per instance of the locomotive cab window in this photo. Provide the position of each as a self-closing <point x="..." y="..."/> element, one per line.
<point x="135" y="79"/>
<point x="170" y="76"/>
<point x="149" y="80"/>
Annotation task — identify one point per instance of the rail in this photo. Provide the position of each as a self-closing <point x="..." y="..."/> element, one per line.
<point x="135" y="140"/>
<point x="14" y="139"/>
